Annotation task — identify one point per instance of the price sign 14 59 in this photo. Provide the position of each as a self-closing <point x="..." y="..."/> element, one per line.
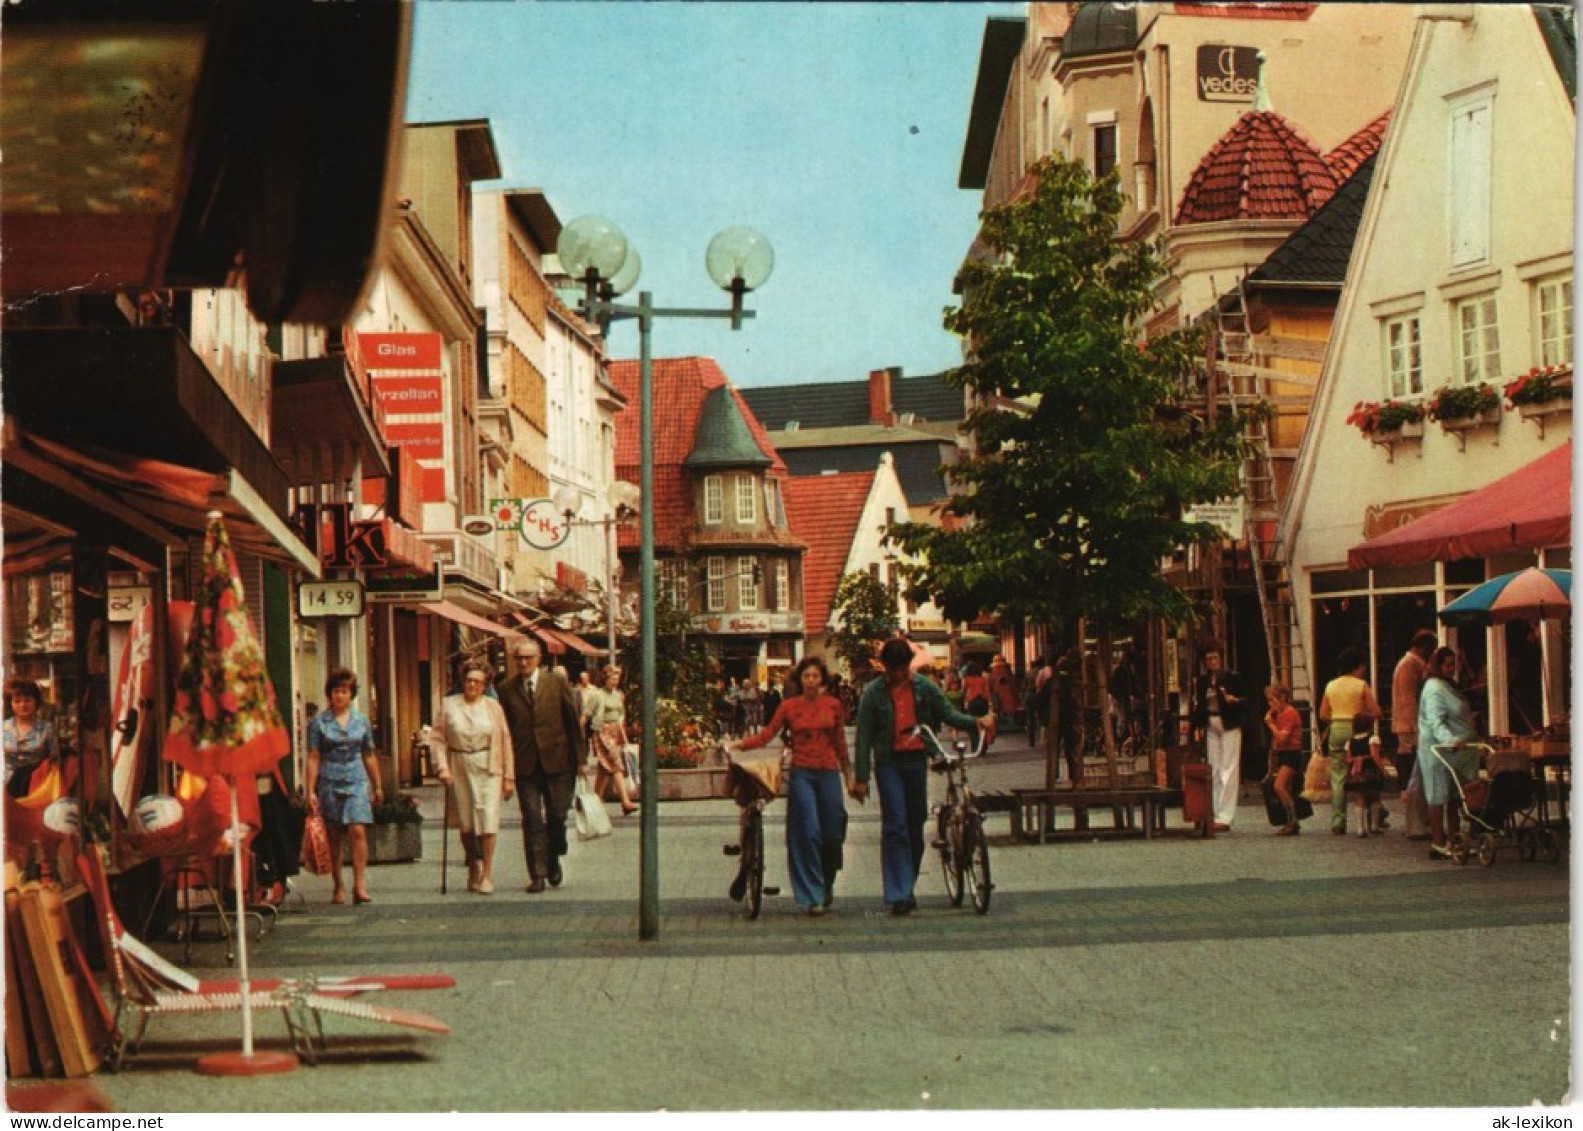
<point x="330" y="599"/>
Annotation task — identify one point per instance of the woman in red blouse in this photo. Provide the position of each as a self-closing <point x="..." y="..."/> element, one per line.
<point x="821" y="771"/>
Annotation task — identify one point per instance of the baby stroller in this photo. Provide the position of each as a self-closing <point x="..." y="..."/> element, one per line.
<point x="1501" y="807"/>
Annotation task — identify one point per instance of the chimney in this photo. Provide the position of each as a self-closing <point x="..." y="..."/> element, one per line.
<point x="879" y="410"/>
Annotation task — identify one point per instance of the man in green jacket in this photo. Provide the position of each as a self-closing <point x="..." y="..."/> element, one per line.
<point x="888" y="715"/>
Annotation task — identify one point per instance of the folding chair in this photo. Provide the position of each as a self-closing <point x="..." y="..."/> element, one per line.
<point x="148" y="985"/>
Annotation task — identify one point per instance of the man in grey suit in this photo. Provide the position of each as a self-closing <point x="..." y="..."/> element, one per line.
<point x="547" y="745"/>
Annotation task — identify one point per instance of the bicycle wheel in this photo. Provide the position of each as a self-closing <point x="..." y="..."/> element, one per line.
<point x="975" y="848"/>
<point x="950" y="855"/>
<point x="753" y="862"/>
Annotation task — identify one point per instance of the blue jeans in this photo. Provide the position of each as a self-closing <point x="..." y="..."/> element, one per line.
<point x="903" y="785"/>
<point x="815" y="832"/>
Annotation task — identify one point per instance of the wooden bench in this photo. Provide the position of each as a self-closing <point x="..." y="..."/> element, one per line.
<point x="1033" y="810"/>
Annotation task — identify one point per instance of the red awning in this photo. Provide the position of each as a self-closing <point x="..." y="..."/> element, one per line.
<point x="1529" y="509"/>
<point x="168" y="502"/>
<point x="557" y="640"/>
<point x="455" y="612"/>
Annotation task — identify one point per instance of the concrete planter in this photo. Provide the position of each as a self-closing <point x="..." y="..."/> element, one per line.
<point x="394" y="844"/>
<point x="693" y="785"/>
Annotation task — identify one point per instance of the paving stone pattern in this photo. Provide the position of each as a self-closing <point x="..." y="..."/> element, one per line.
<point x="1247" y="971"/>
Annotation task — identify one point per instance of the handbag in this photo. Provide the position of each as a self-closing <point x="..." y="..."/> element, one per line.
<point x="315" y="846"/>
<point x="589" y="812"/>
<point x="1316" y="782"/>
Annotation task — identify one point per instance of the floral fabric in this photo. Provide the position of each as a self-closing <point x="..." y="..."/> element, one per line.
<point x="225" y="719"/>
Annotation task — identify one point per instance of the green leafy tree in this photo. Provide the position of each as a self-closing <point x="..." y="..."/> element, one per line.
<point x="1085" y="455"/>
<point x="681" y="663"/>
<point x="864" y="612"/>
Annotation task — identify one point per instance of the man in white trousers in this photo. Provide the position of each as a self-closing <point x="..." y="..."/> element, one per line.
<point x="1218" y="710"/>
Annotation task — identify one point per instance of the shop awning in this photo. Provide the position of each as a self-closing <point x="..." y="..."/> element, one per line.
<point x="570" y="640"/>
<point x="1526" y="510"/>
<point x="406" y="550"/>
<point x="317" y="406"/>
<point x="164" y="501"/>
<point x="454" y="612"/>
<point x="557" y="641"/>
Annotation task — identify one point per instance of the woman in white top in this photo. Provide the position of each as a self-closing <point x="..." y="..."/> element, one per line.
<point x="473" y="731"/>
<point x="605" y="713"/>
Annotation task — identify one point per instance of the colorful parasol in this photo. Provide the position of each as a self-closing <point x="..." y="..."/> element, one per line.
<point x="1529" y="594"/>
<point x="225" y="722"/>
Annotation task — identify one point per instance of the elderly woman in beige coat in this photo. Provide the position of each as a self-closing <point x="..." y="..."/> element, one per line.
<point x="472" y="751"/>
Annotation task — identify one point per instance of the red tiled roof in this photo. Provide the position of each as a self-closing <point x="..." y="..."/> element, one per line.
<point x="1274" y="11"/>
<point x="1345" y="158"/>
<point x="823" y="511"/>
<point x="1264" y="168"/>
<point x="680" y="385"/>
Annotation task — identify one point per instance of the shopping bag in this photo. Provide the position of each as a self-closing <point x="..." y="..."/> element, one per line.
<point x="589" y="812"/>
<point x="1316" y="783"/>
<point x="629" y="757"/>
<point x="315" y="846"/>
<point x="1275" y="811"/>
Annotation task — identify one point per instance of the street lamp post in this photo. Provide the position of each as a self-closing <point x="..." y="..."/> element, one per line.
<point x="594" y="250"/>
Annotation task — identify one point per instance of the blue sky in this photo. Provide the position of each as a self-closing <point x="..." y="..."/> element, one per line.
<point x="835" y="129"/>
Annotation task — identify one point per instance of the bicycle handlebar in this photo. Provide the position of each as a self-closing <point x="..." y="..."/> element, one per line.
<point x="928" y="732"/>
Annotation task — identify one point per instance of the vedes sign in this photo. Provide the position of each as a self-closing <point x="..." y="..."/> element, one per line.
<point x="1227" y="74"/>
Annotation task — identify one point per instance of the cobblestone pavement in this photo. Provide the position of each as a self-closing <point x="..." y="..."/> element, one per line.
<point x="1247" y="971"/>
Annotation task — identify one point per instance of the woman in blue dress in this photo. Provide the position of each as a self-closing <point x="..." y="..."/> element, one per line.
<point x="342" y="774"/>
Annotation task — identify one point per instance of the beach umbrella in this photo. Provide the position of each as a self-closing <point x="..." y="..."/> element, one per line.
<point x="1528" y="594"/>
<point x="225" y="722"/>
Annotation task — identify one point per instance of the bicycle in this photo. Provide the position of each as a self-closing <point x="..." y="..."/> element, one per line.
<point x="961" y="841"/>
<point x="753" y="784"/>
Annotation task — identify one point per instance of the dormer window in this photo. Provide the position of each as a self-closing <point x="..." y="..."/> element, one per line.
<point x="747" y="501"/>
<point x="714" y="500"/>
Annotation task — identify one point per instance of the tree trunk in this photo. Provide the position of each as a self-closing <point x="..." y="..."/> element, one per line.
<point x="1109" y="732"/>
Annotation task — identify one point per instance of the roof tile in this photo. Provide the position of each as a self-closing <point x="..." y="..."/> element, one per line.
<point x="1345" y="158"/>
<point x="1263" y="168"/>
<point x="680" y="385"/>
<point x="824" y="511"/>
